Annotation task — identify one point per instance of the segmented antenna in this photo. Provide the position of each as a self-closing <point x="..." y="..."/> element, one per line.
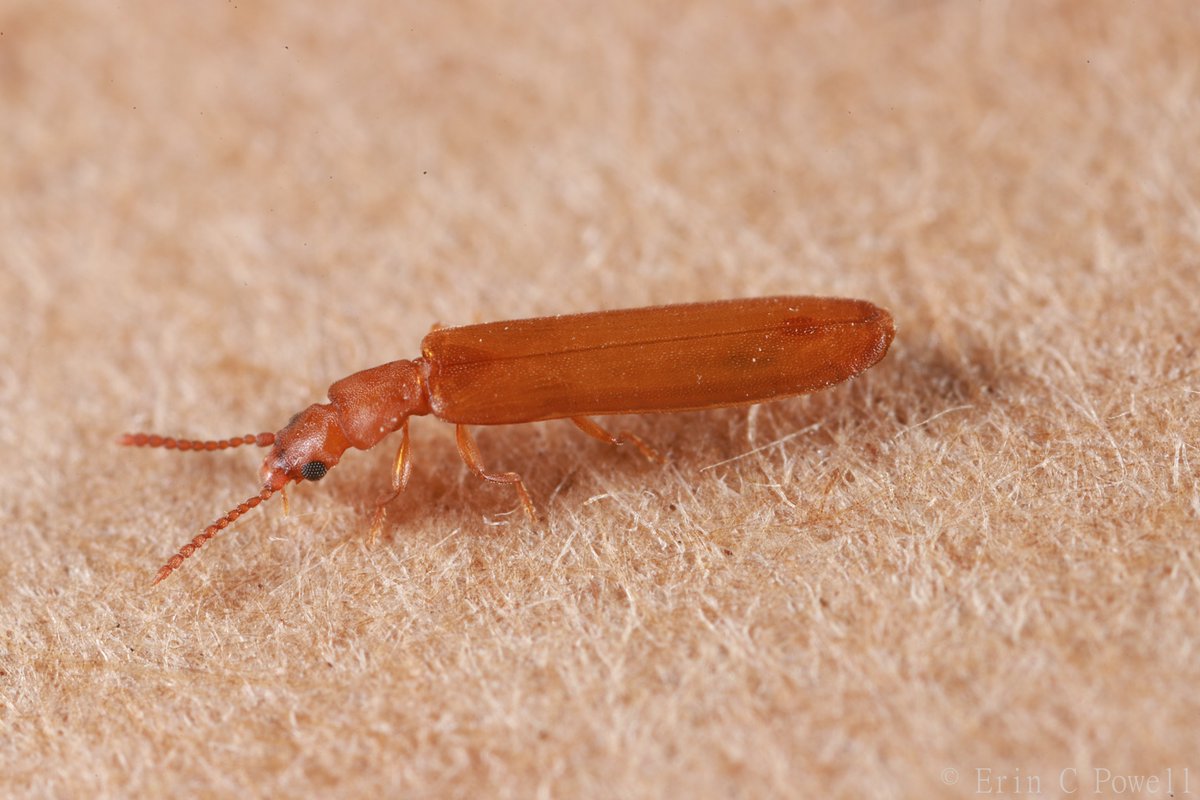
<point x="209" y="532"/>
<point x="170" y="443"/>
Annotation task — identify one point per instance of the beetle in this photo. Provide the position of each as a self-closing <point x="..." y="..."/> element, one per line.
<point x="657" y="359"/>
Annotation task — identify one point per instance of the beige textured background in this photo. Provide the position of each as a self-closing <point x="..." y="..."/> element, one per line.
<point x="982" y="555"/>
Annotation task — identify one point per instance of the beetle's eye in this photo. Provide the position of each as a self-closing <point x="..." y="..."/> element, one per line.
<point x="314" y="471"/>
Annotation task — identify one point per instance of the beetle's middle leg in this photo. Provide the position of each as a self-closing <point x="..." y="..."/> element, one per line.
<point x="401" y="471"/>
<point x="470" y="454"/>
<point x="592" y="429"/>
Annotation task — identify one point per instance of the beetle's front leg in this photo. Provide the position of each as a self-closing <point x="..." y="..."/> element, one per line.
<point x="401" y="471"/>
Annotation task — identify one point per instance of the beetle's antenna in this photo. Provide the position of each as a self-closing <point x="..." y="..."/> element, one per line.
<point x="154" y="440"/>
<point x="212" y="530"/>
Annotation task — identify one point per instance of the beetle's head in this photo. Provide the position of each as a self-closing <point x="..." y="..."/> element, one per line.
<point x="308" y="447"/>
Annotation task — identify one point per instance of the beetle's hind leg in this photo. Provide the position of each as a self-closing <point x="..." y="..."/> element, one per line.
<point x="401" y="470"/>
<point x="470" y="454"/>
<point x="592" y="429"/>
